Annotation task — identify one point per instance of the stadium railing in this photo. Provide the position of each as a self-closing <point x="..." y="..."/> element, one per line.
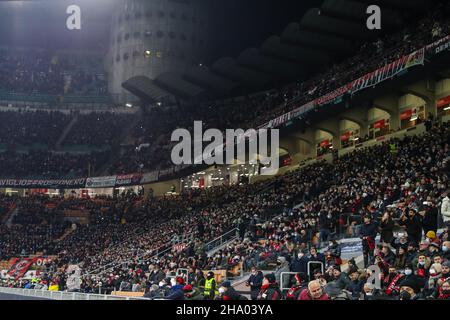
<point x="60" y="295"/>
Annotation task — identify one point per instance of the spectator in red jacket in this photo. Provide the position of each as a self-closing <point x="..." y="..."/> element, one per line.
<point x="313" y="292"/>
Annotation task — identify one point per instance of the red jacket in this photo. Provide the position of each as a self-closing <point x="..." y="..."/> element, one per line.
<point x="304" y="295"/>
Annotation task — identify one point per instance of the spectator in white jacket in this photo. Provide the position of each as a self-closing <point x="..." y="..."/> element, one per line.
<point x="445" y="208"/>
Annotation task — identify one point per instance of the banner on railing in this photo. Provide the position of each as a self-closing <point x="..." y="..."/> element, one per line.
<point x="128" y="179"/>
<point x="388" y="71"/>
<point x="150" y="177"/>
<point x="101" y="182"/>
<point x="43" y="183"/>
<point x="179" y="247"/>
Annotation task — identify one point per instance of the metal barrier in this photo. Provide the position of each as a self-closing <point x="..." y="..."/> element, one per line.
<point x="217" y="242"/>
<point x="184" y="273"/>
<point x="60" y="295"/>
<point x="282" y="287"/>
<point x="316" y="263"/>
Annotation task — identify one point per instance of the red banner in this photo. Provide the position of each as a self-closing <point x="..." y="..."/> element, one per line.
<point x="345" y="136"/>
<point x="325" y="143"/>
<point x="179" y="247"/>
<point x="406" y="114"/>
<point x="379" y="124"/>
<point x="443" y="102"/>
<point x="20" y="266"/>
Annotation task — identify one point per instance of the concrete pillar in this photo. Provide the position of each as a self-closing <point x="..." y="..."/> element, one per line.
<point x="389" y="103"/>
<point x="427" y="91"/>
<point x="359" y="116"/>
<point x="332" y="127"/>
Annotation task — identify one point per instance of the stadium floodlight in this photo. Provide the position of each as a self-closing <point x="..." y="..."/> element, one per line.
<point x="159" y="103"/>
<point x="129" y="105"/>
<point x="147" y="53"/>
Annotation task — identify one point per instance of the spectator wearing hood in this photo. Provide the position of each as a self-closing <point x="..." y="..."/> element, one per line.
<point x="269" y="289"/>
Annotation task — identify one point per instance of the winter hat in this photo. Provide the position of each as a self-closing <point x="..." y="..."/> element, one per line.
<point x="180" y="280"/>
<point x="431" y="234"/>
<point x="437" y="269"/>
<point x="270" y="277"/>
<point x="187" y="288"/>
<point x="411" y="283"/>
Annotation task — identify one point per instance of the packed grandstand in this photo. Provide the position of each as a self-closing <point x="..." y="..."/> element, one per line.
<point x="91" y="203"/>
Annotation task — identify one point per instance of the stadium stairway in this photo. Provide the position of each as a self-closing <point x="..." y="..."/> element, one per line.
<point x="66" y="132"/>
<point x="9" y="217"/>
<point x="65" y="234"/>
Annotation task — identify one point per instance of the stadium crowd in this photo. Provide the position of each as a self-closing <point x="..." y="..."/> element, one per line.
<point x="367" y="192"/>
<point x="44" y="72"/>
<point x="132" y="243"/>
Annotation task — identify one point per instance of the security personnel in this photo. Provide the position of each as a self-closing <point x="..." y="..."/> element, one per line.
<point x="211" y="289"/>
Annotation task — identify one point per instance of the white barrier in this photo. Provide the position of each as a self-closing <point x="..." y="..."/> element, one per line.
<point x="59" y="295"/>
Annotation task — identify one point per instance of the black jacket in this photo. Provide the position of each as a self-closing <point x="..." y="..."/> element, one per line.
<point x="299" y="265"/>
<point x="368" y="230"/>
<point x="430" y="220"/>
<point x="270" y="293"/>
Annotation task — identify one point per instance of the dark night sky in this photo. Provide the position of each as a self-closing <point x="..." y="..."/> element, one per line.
<point x="236" y="24"/>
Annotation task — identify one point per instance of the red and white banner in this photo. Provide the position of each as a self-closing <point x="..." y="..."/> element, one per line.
<point x="179" y="247"/>
<point x="20" y="266"/>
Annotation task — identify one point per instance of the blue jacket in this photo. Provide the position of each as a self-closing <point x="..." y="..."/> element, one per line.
<point x="176" y="293"/>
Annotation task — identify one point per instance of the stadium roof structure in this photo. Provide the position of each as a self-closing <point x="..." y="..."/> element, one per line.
<point x="175" y="84"/>
<point x="334" y="30"/>
<point x="146" y="89"/>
